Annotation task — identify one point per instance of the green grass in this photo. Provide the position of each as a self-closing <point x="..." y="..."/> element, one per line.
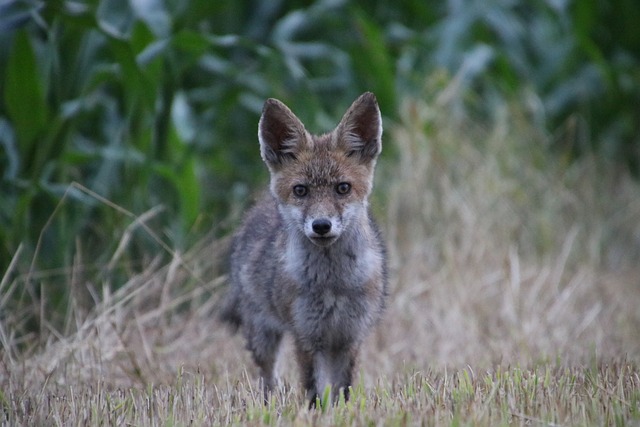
<point x="514" y="300"/>
<point x="544" y="395"/>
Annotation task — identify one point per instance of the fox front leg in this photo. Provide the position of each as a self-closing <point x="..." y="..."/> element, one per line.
<point x="264" y="344"/>
<point x="334" y="369"/>
<point x="307" y="375"/>
<point x="324" y="370"/>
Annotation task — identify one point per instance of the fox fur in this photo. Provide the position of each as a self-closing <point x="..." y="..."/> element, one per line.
<point x="308" y="259"/>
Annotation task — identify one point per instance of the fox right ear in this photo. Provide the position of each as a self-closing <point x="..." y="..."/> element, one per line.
<point x="279" y="133"/>
<point x="360" y="130"/>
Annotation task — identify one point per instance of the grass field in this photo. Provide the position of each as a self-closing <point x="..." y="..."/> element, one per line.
<point x="599" y="395"/>
<point x="515" y="299"/>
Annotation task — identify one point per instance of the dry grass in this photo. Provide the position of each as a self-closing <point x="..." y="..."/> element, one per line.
<point x="515" y="299"/>
<point x="502" y="254"/>
<point x="544" y="396"/>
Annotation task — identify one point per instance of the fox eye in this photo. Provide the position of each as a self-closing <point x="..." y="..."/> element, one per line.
<point x="343" y="188"/>
<point x="300" y="190"/>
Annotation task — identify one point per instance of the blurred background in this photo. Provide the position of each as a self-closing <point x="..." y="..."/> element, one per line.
<point x="510" y="161"/>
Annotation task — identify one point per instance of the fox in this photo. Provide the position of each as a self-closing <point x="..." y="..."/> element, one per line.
<point x="309" y="259"/>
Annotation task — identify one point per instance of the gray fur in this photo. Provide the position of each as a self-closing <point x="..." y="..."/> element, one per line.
<point x="327" y="296"/>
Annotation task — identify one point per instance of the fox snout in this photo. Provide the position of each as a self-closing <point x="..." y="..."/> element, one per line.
<point x="323" y="231"/>
<point x="321" y="226"/>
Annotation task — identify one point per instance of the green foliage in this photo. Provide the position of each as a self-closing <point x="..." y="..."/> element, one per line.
<point x="156" y="103"/>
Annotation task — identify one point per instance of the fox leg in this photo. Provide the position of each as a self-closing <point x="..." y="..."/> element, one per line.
<point x="307" y="374"/>
<point x="324" y="369"/>
<point x="264" y="342"/>
<point x="335" y="368"/>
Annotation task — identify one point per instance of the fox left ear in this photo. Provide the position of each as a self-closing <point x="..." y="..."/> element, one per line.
<point x="360" y="130"/>
<point x="280" y="133"/>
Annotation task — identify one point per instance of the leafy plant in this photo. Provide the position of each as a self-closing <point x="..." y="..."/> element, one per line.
<point x="153" y="105"/>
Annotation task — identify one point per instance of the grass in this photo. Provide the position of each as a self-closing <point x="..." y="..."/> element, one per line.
<point x="600" y="395"/>
<point x="515" y="295"/>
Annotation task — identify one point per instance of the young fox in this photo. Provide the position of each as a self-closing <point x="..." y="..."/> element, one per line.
<point x="308" y="259"/>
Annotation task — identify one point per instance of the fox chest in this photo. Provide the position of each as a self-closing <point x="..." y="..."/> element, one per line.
<point x="331" y="272"/>
<point x="331" y="321"/>
<point x="337" y="300"/>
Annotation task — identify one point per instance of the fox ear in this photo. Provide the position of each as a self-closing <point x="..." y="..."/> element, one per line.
<point x="279" y="133"/>
<point x="360" y="130"/>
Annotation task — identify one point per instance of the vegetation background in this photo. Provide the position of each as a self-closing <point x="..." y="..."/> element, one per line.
<point x="508" y="191"/>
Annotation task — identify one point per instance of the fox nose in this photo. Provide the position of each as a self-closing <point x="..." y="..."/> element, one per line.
<point x="321" y="226"/>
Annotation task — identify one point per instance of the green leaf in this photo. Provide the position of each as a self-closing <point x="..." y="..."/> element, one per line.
<point x="138" y="87"/>
<point x="190" y="41"/>
<point x="373" y="61"/>
<point x="155" y="15"/>
<point x="9" y="155"/>
<point x="24" y="92"/>
<point x="189" y="190"/>
<point x="14" y="14"/>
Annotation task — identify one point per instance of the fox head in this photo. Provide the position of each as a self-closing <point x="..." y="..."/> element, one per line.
<point x="321" y="183"/>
